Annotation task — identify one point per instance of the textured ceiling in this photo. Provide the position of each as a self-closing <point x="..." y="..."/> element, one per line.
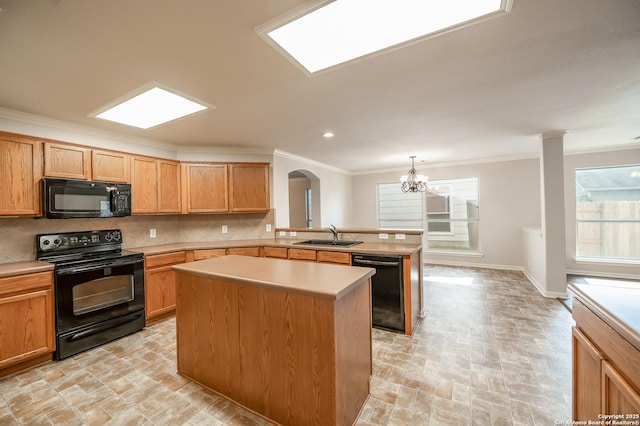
<point x="487" y="90"/>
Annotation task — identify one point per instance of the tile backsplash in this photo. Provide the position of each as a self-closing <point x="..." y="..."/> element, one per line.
<point x="18" y="235"/>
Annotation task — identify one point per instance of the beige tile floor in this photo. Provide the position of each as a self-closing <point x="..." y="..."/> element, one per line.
<point x="491" y="351"/>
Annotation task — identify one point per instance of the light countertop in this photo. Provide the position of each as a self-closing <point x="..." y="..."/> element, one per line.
<point x="22" y="268"/>
<point x="366" y="247"/>
<point x="618" y="307"/>
<point x="315" y="279"/>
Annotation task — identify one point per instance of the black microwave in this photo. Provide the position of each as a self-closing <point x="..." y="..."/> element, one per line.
<point x="66" y="199"/>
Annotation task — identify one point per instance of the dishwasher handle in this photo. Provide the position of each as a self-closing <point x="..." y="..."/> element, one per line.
<point x="374" y="262"/>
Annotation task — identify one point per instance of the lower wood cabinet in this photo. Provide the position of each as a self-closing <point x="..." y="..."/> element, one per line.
<point x="244" y="251"/>
<point x="27" y="330"/>
<point x="339" y="257"/>
<point x="208" y="253"/>
<point x="160" y="284"/>
<point x="606" y="369"/>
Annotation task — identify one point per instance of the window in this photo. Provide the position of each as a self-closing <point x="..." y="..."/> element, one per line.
<point x="398" y="210"/>
<point x="447" y="212"/>
<point x="452" y="214"/>
<point x="608" y="213"/>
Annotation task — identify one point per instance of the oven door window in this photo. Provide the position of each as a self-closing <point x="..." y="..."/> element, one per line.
<point x="102" y="293"/>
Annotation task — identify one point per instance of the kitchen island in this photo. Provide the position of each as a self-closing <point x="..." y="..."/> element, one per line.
<point x="290" y="341"/>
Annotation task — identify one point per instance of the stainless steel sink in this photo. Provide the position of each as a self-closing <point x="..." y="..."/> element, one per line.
<point x="328" y="243"/>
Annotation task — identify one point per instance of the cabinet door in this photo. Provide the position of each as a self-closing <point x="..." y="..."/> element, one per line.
<point x="160" y="291"/>
<point x="249" y="187"/>
<point x="26" y="317"/>
<point x="618" y="397"/>
<point x="110" y="166"/>
<point x="66" y="161"/>
<point x="169" y="186"/>
<point x="20" y="174"/>
<point x="208" y="254"/>
<point x="245" y="251"/>
<point x="587" y="362"/>
<point x="144" y="185"/>
<point x="206" y="188"/>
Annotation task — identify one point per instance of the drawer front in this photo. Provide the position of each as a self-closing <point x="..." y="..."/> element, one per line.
<point x="165" y="259"/>
<point x="28" y="282"/>
<point x="280" y="252"/>
<point x="208" y="254"/>
<point x="302" y="254"/>
<point x="334" y="257"/>
<point x="245" y="251"/>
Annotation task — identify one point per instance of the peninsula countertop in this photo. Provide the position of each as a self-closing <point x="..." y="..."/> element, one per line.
<point x="316" y="279"/>
<point x="616" y="306"/>
<point x="365" y="247"/>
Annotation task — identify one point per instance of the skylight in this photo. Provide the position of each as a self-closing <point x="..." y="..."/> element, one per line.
<point x="151" y="108"/>
<point x="347" y="29"/>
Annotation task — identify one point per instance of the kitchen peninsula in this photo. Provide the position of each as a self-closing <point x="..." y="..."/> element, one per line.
<point x="289" y="340"/>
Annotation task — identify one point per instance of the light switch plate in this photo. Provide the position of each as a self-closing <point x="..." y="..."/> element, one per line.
<point x="292" y="233"/>
<point x="282" y="233"/>
<point x="152" y="233"/>
<point x="225" y="229"/>
<point x="400" y="236"/>
<point x="383" y="236"/>
<point x="268" y="227"/>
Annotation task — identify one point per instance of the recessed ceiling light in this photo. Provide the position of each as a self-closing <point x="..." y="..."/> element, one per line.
<point x="151" y="108"/>
<point x="344" y="30"/>
<point x="328" y="135"/>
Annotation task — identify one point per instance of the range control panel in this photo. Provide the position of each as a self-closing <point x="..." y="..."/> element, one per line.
<point x="72" y="240"/>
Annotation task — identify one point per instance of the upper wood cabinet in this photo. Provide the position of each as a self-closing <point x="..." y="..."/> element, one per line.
<point x="20" y="174"/>
<point x="155" y="185"/>
<point x="169" y="186"/>
<point x="110" y="166"/>
<point x="77" y="162"/>
<point x="66" y="161"/>
<point x="205" y="188"/>
<point x="249" y="187"/>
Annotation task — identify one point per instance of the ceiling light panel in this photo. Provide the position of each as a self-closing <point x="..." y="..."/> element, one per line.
<point x="151" y="108"/>
<point x="347" y="29"/>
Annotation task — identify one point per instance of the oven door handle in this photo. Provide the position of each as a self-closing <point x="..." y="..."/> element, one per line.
<point x="374" y="262"/>
<point x="96" y="266"/>
<point x="101" y="327"/>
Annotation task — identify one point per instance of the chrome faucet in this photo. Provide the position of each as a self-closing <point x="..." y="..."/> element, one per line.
<point x="334" y="231"/>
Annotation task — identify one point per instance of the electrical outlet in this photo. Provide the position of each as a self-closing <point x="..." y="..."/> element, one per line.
<point x="383" y="236"/>
<point x="292" y="233"/>
<point x="282" y="233"/>
<point x="400" y="236"/>
<point x="225" y="229"/>
<point x="152" y="233"/>
<point x="268" y="227"/>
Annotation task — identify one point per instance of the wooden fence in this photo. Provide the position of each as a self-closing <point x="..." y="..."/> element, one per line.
<point x="608" y="229"/>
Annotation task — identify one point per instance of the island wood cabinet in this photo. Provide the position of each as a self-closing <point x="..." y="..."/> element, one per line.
<point x="69" y="161"/>
<point x="27" y="331"/>
<point x="155" y="185"/>
<point x="20" y="174"/>
<point x="293" y="357"/>
<point x="160" y="284"/>
<point x="606" y="369"/>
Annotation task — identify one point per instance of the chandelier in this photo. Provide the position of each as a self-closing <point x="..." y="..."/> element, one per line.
<point x="413" y="182"/>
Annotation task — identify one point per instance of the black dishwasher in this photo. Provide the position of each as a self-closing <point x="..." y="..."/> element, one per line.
<point x="387" y="289"/>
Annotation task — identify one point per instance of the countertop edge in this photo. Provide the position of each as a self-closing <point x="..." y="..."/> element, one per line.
<point x="316" y="292"/>
<point x="628" y="333"/>
<point x="366" y="247"/>
<point x="24" y="268"/>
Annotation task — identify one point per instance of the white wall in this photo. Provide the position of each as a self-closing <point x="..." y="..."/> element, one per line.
<point x="335" y="191"/>
<point x="599" y="159"/>
<point x="509" y="198"/>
